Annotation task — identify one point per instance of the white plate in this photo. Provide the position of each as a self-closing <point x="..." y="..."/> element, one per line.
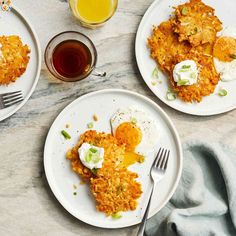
<point x="61" y="177"/>
<point x="14" y="23"/>
<point x="160" y="11"/>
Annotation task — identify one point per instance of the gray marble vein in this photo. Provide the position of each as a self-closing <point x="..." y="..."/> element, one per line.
<point x="27" y="205"/>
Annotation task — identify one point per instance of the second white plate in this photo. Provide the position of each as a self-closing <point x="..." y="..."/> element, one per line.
<point x="14" y="23"/>
<point x="78" y="114"/>
<point x="160" y="11"/>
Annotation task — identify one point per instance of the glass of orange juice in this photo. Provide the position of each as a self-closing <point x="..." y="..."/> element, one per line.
<point x="93" y="13"/>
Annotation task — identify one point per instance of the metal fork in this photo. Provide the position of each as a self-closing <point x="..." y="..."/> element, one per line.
<point x="9" y="99"/>
<point x="157" y="172"/>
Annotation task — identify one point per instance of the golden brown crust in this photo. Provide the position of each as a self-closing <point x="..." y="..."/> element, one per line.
<point x="171" y="43"/>
<point x="208" y="78"/>
<point x="14" y="58"/>
<point x="196" y="23"/>
<point x="113" y="187"/>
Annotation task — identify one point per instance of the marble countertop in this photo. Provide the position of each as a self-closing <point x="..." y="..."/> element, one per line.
<point x="27" y="205"/>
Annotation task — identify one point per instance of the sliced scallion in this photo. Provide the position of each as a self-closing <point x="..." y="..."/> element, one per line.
<point x="222" y="92"/>
<point x="170" y="95"/>
<point x="65" y="134"/>
<point x="116" y="216"/>
<point x="182" y="82"/>
<point x="184" y="11"/>
<point x="155" y="73"/>
<point x="90" y="125"/>
<point x="93" y="150"/>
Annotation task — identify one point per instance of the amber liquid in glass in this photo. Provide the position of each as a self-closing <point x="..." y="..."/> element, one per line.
<point x="72" y="58"/>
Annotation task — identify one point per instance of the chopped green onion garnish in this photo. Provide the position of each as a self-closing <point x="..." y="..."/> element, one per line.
<point x="133" y="120"/>
<point x="90" y="125"/>
<point x="184" y="11"/>
<point x="116" y="216"/>
<point x="222" y="92"/>
<point x="182" y="82"/>
<point x="93" y="150"/>
<point x="88" y="157"/>
<point x="65" y="134"/>
<point x="155" y="73"/>
<point x="195" y="30"/>
<point x="94" y="171"/>
<point x="170" y="95"/>
<point x="186" y="67"/>
<point x="233" y="56"/>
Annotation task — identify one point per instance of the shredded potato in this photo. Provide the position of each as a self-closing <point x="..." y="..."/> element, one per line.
<point x="14" y="59"/>
<point x="113" y="186"/>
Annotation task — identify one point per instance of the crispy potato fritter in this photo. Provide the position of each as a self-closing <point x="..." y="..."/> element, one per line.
<point x="113" y="186"/>
<point x="189" y="35"/>
<point x="13" y="60"/>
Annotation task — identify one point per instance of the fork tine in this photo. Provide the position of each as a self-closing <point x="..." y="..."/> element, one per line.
<point x="157" y="157"/>
<point x="167" y="159"/>
<point x="163" y="160"/>
<point x="6" y="98"/>
<point x="160" y="158"/>
<point x="10" y="93"/>
<point x="13" y="102"/>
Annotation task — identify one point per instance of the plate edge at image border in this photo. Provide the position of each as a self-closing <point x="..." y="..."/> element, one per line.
<point x="39" y="59"/>
<point x="164" y="116"/>
<point x="138" y="42"/>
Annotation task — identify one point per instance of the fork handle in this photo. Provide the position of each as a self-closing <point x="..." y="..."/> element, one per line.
<point x="145" y="216"/>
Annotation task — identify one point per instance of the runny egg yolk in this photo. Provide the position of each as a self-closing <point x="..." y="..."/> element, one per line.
<point x="225" y="49"/>
<point x="129" y="134"/>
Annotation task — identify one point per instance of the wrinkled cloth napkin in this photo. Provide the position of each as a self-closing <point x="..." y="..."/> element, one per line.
<point x="204" y="203"/>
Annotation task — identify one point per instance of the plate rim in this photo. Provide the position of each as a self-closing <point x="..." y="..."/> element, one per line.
<point x="39" y="64"/>
<point x="165" y="117"/>
<point x="138" y="42"/>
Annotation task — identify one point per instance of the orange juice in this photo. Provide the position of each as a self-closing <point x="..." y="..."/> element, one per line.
<point x="93" y="12"/>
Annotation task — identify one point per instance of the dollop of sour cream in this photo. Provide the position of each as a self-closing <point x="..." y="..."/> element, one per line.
<point x="185" y="73"/>
<point x="91" y="156"/>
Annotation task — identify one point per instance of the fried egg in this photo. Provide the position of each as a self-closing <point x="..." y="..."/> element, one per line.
<point x="224" y="53"/>
<point x="136" y="129"/>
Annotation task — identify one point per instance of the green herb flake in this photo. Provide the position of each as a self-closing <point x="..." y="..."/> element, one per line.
<point x="88" y="157"/>
<point x="65" y="134"/>
<point x="171" y="96"/>
<point x="90" y="125"/>
<point x="222" y="92"/>
<point x="134" y="120"/>
<point x="186" y="67"/>
<point x="182" y="82"/>
<point x="184" y="11"/>
<point x="233" y="56"/>
<point x="155" y="73"/>
<point x="116" y="216"/>
<point x="94" y="171"/>
<point x="74" y="193"/>
<point x="93" y="150"/>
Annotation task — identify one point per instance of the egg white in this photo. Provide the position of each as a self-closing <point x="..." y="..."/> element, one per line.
<point x="227" y="70"/>
<point x="146" y="124"/>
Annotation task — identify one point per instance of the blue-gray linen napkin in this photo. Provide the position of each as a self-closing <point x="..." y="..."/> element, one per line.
<point x="204" y="203"/>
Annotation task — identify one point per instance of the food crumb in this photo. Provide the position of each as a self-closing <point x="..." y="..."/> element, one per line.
<point x="74" y="186"/>
<point x="154" y="83"/>
<point x="74" y="193"/>
<point x="67" y="126"/>
<point x="90" y="125"/>
<point x="95" y="117"/>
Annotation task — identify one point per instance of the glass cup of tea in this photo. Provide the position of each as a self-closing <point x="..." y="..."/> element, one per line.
<point x="93" y="13"/>
<point x="71" y="56"/>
